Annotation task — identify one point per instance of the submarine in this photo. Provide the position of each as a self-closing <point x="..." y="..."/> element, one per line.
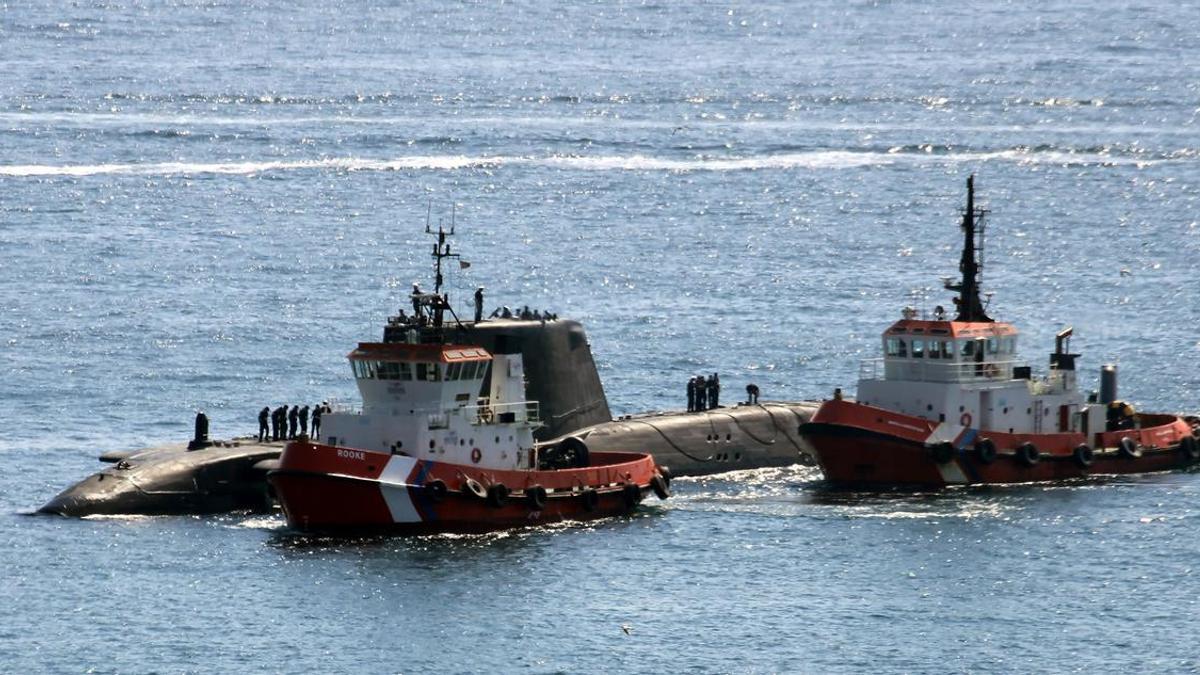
<point x="206" y="476"/>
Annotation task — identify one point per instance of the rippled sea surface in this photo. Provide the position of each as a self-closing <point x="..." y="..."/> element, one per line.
<point x="206" y="204"/>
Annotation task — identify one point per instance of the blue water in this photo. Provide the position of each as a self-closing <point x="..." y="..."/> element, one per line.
<point x="205" y="205"/>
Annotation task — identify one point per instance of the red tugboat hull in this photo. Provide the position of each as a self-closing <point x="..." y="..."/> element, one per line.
<point x="325" y="488"/>
<point x="858" y="445"/>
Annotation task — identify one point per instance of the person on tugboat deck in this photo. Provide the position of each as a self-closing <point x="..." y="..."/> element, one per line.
<point x="479" y="304"/>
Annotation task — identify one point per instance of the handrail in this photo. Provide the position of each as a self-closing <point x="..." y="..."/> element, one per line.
<point x="931" y="370"/>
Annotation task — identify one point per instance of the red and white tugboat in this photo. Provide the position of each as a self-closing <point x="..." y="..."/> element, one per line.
<point x="949" y="404"/>
<point x="443" y="442"/>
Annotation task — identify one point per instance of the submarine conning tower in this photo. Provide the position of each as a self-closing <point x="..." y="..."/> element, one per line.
<point x="559" y="369"/>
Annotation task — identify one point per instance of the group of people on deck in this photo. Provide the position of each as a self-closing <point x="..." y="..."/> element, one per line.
<point x="704" y="393"/>
<point x="524" y="314"/>
<point x="285" y="424"/>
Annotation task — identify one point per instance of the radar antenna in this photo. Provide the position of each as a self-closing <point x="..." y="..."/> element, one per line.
<point x="970" y="307"/>
<point x="437" y="302"/>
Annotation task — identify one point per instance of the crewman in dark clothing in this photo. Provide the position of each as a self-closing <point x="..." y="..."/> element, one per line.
<point x="263" y="432"/>
<point x="691" y="389"/>
<point x="276" y="424"/>
<point x="304" y="421"/>
<point x="316" y="419"/>
<point x="714" y="391"/>
<point x="751" y="394"/>
<point x="701" y="394"/>
<point x="479" y="304"/>
<point x="293" y="421"/>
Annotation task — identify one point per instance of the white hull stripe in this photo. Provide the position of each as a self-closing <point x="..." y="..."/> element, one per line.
<point x="393" y="482"/>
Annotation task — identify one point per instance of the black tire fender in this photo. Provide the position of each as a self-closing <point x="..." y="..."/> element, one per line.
<point x="662" y="489"/>
<point x="632" y="494"/>
<point x="1028" y="454"/>
<point x="985" y="450"/>
<point x="1083" y="455"/>
<point x="536" y="496"/>
<point x="591" y="499"/>
<point x="436" y="490"/>
<point x="497" y="494"/>
<point x="472" y="487"/>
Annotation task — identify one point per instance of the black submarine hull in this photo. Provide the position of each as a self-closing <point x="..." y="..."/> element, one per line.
<point x="747" y="436"/>
<point x="171" y="480"/>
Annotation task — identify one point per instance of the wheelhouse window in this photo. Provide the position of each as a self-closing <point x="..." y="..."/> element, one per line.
<point x="935" y="349"/>
<point x="892" y="347"/>
<point x="429" y="372"/>
<point x="918" y="349"/>
<point x="947" y="349"/>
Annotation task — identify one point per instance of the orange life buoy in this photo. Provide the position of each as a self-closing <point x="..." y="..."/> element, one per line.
<point x="990" y="370"/>
<point x="965" y="420"/>
<point x="476" y="455"/>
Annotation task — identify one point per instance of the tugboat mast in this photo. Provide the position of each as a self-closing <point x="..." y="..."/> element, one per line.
<point x="970" y="308"/>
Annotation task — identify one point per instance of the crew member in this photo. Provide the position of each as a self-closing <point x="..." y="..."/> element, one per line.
<point x="263" y="431"/>
<point x="304" y="421"/>
<point x="691" y="391"/>
<point x="316" y="420"/>
<point x="277" y="423"/>
<point x="293" y="418"/>
<point x="701" y="394"/>
<point x="714" y="391"/>
<point x="479" y="304"/>
<point x="751" y="394"/>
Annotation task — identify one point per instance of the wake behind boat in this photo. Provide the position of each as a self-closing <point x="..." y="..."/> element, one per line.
<point x="949" y="404"/>
<point x="444" y="442"/>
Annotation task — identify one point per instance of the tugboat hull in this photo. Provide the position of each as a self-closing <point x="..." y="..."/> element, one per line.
<point x="330" y="489"/>
<point x="858" y="445"/>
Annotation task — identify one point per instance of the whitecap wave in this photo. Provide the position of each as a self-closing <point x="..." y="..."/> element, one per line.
<point x="817" y="159"/>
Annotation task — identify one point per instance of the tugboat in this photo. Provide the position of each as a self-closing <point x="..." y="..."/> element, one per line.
<point x="950" y="404"/>
<point x="444" y="442"/>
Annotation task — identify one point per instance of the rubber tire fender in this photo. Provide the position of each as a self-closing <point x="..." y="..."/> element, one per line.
<point x="1083" y="455"/>
<point x="1129" y="448"/>
<point x="632" y="494"/>
<point x="436" y="490"/>
<point x="536" y="496"/>
<point x="497" y="494"/>
<point x="1028" y="454"/>
<point x="985" y="450"/>
<point x="575" y="446"/>
<point x="591" y="499"/>
<point x="1189" y="447"/>
<point x="472" y="488"/>
<point x="665" y="472"/>
<point x="662" y="489"/>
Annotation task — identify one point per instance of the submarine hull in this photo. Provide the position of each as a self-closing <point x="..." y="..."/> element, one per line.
<point x="747" y="436"/>
<point x="172" y="480"/>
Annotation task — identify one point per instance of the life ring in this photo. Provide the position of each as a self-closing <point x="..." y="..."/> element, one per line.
<point x="536" y="496"/>
<point x="485" y="414"/>
<point x="942" y="452"/>
<point x="661" y="487"/>
<point x="985" y="449"/>
<point x="1027" y="454"/>
<point x="591" y="499"/>
<point x="965" y="420"/>
<point x="1189" y="447"/>
<point x="991" y="371"/>
<point x="436" y="490"/>
<point x="476" y="455"/>
<point x="497" y="494"/>
<point x="471" y="486"/>
<point x="1083" y="455"/>
<point x="1129" y="448"/>
<point x="632" y="494"/>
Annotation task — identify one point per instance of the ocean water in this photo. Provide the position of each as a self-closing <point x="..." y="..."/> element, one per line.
<point x="205" y="205"/>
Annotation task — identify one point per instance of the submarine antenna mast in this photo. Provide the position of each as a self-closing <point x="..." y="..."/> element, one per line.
<point x="970" y="308"/>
